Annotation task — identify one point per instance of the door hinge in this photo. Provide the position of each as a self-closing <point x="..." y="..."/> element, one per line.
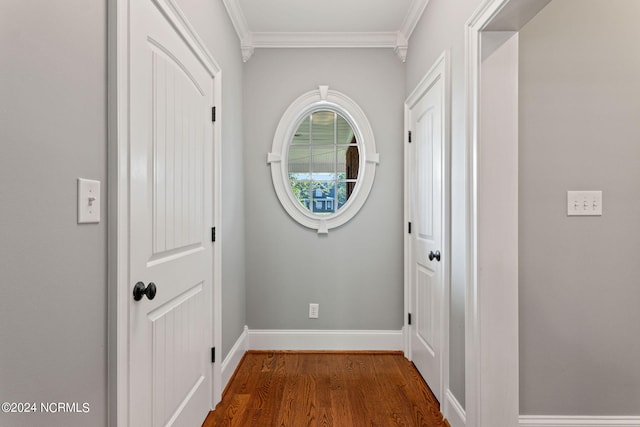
<point x="213" y="355"/>
<point x="408" y="318"/>
<point x="213" y="114"/>
<point x="409" y="228"/>
<point x="409" y="136"/>
<point x="213" y="234"/>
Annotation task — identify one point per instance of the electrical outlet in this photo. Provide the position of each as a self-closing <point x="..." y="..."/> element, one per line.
<point x="313" y="310"/>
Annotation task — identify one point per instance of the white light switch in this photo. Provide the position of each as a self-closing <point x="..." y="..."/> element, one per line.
<point x="313" y="310"/>
<point x="88" y="201"/>
<point x="584" y="203"/>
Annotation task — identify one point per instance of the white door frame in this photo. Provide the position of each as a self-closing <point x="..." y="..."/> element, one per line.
<point x="492" y="359"/>
<point x="439" y="70"/>
<point x="119" y="289"/>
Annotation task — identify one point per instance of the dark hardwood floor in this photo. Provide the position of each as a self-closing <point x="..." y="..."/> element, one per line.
<point x="296" y="389"/>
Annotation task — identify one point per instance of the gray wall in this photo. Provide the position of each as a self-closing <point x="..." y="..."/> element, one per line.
<point x="355" y="273"/>
<point x="442" y="27"/>
<point x="53" y="287"/>
<point x="53" y="129"/>
<point x="579" y="130"/>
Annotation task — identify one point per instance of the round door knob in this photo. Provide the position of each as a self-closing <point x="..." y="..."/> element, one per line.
<point x="435" y="255"/>
<point x="140" y="290"/>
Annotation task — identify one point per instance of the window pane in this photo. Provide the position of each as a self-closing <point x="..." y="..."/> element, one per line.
<point x="299" y="159"/>
<point x="322" y="127"/>
<point x="323" y="159"/>
<point x="323" y="162"/>
<point x="323" y="197"/>
<point x="348" y="161"/>
<point x="302" y="134"/>
<point x="345" y="133"/>
<point x="301" y="190"/>
<point x="345" y="190"/>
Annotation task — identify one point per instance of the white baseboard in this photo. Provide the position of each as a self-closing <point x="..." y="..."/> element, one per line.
<point x="578" y="421"/>
<point x="306" y="340"/>
<point x="230" y="363"/>
<point x="453" y="410"/>
<point x="276" y="339"/>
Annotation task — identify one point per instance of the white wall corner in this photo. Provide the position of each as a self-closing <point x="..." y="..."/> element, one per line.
<point x="453" y="410"/>
<point x="231" y="362"/>
<point x="401" y="46"/>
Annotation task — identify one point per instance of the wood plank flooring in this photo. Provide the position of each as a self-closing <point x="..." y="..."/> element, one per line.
<point x="296" y="389"/>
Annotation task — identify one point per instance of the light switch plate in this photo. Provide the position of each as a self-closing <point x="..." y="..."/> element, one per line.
<point x="88" y="201"/>
<point x="584" y="203"/>
<point x="313" y="310"/>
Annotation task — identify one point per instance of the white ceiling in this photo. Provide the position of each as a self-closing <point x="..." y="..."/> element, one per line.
<point x="324" y="16"/>
<point x="326" y="23"/>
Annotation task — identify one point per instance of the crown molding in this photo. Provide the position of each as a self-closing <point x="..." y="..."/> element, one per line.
<point x="237" y="18"/>
<point x="323" y="40"/>
<point x="416" y="9"/>
<point x="396" y="40"/>
<point x="284" y="40"/>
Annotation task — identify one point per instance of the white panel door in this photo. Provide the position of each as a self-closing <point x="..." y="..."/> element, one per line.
<point x="426" y="275"/>
<point x="171" y="201"/>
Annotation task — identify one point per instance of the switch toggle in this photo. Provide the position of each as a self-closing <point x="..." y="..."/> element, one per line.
<point x="584" y="203"/>
<point x="88" y="201"/>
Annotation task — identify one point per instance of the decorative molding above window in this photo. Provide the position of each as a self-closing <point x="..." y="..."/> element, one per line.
<point x="397" y="40"/>
<point x="323" y="159"/>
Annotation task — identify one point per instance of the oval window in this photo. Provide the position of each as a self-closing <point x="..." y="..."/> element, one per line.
<point x="323" y="159"/>
<point x="323" y="162"/>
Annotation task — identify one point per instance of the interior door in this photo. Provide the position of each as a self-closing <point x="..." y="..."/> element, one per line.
<point x="426" y="275"/>
<point x="170" y="219"/>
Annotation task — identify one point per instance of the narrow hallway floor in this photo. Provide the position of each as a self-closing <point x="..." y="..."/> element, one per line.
<point x="339" y="389"/>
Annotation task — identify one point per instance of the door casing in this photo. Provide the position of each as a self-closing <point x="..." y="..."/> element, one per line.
<point x="119" y="288"/>
<point x="491" y="309"/>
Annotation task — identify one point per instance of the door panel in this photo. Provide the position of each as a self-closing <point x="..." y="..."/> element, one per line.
<point x="426" y="306"/>
<point x="171" y="214"/>
<point x="178" y="150"/>
<point x="177" y="335"/>
<point x="424" y="164"/>
<point x="427" y="201"/>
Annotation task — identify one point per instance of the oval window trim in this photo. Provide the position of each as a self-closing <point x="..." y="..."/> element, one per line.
<point x="317" y="100"/>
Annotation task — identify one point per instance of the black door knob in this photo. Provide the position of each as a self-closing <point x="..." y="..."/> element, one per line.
<point x="435" y="255"/>
<point x="139" y="290"/>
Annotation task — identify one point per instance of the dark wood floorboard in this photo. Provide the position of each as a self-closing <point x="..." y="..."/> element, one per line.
<point x="326" y="389"/>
